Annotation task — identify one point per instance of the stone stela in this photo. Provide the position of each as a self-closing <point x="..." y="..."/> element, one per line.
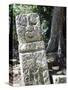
<point x="33" y="63"/>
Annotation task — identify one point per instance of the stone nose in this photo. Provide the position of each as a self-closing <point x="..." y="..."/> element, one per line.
<point x="29" y="28"/>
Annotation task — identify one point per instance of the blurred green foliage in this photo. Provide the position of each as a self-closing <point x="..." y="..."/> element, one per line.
<point x="44" y="11"/>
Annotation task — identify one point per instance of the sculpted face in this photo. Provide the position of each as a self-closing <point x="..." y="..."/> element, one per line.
<point x="28" y="28"/>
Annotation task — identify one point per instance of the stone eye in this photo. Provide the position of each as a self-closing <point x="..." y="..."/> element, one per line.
<point x="33" y="19"/>
<point x="22" y="20"/>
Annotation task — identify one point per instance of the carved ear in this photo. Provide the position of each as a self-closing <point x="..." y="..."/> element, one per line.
<point x="33" y="19"/>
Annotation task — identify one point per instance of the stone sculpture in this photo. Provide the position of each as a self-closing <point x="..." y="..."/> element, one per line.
<point x="34" y="68"/>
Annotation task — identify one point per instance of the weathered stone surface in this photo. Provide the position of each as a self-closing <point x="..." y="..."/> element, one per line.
<point x="32" y="33"/>
<point x="59" y="79"/>
<point x="33" y="18"/>
<point x="31" y="46"/>
<point x="32" y="36"/>
<point x="21" y="20"/>
<point x="46" y="77"/>
<point x="37" y="28"/>
<point x="28" y="34"/>
<point x="34" y="68"/>
<point x="38" y="56"/>
<point x="29" y="28"/>
<point x="21" y="34"/>
<point x="34" y="63"/>
<point x="14" y="75"/>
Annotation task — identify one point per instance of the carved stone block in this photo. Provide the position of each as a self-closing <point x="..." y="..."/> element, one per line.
<point x="35" y="68"/>
<point x="28" y="27"/>
<point x="32" y="36"/>
<point x="59" y="79"/>
<point x="31" y="46"/>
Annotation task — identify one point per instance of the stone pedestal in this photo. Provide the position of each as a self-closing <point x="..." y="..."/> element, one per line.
<point x="58" y="79"/>
<point x="34" y="68"/>
<point x="14" y="73"/>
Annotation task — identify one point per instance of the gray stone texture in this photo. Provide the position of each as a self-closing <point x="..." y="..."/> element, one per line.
<point x="32" y="50"/>
<point x="32" y="46"/>
<point x="14" y="74"/>
<point x="28" y="32"/>
<point x="57" y="79"/>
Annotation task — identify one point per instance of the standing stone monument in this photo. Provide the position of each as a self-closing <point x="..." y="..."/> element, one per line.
<point x="34" y="68"/>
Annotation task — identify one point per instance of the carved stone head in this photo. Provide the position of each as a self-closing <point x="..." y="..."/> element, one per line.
<point x="28" y="27"/>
